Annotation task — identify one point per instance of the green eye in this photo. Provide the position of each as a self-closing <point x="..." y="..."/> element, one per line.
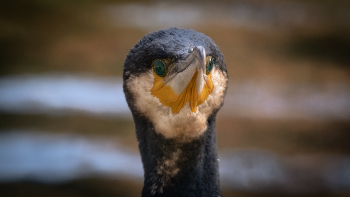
<point x="159" y="68"/>
<point x="210" y="65"/>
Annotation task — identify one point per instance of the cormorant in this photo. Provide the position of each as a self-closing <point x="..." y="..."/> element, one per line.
<point x="175" y="81"/>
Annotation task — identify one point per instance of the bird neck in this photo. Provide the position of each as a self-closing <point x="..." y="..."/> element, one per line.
<point x="177" y="168"/>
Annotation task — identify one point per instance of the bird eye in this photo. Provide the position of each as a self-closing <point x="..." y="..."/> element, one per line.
<point x="159" y="68"/>
<point x="210" y="65"/>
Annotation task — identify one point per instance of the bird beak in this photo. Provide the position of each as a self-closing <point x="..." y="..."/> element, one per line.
<point x="180" y="76"/>
<point x="186" y="82"/>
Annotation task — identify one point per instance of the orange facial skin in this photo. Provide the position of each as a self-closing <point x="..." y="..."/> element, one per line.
<point x="168" y="97"/>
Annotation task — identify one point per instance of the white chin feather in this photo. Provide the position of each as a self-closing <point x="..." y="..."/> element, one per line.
<point x="185" y="124"/>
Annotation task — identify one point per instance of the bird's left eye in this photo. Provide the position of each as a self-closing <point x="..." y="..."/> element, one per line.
<point x="159" y="68"/>
<point x="210" y="65"/>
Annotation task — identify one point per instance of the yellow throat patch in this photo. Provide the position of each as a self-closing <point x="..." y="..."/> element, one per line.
<point x="168" y="97"/>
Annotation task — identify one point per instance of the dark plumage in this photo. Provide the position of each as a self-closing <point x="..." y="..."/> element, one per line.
<point x="179" y="165"/>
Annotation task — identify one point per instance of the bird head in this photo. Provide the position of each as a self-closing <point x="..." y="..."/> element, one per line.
<point x="177" y="79"/>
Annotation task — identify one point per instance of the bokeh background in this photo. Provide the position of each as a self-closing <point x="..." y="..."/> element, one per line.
<point x="65" y="128"/>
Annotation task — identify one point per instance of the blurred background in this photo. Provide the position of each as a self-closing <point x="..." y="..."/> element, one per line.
<point x="66" y="130"/>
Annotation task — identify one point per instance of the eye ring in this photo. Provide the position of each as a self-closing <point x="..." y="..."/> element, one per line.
<point x="159" y="68"/>
<point x="210" y="65"/>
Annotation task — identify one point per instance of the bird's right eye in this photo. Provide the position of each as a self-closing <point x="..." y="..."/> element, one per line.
<point x="159" y="68"/>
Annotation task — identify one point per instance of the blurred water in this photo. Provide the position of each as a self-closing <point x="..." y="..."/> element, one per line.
<point x="51" y="93"/>
<point x="48" y="158"/>
<point x="258" y="170"/>
<point x="55" y="158"/>
<point x="55" y="93"/>
<point x="254" y="15"/>
<point x="288" y="101"/>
